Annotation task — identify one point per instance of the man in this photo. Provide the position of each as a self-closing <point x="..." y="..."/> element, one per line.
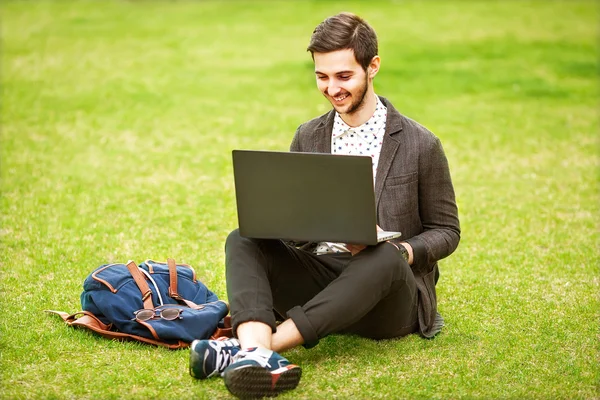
<point x="383" y="291"/>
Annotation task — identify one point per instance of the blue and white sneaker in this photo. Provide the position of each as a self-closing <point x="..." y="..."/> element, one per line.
<point x="259" y="372"/>
<point x="209" y="358"/>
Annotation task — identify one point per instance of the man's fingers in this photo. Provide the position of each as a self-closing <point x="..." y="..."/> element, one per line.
<point x="355" y="248"/>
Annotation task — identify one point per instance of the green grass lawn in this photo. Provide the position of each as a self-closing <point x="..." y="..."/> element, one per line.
<point x="118" y="121"/>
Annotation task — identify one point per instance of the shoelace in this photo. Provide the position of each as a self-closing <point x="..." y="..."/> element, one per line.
<point x="223" y="350"/>
<point x="261" y="356"/>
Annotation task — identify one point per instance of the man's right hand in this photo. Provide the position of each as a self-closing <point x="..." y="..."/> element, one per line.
<point x="355" y="248"/>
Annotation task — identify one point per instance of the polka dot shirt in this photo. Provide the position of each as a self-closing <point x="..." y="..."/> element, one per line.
<point x="365" y="140"/>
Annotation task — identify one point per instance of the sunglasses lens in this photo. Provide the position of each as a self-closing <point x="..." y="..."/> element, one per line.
<point x="170" y="313"/>
<point x="144" y="315"/>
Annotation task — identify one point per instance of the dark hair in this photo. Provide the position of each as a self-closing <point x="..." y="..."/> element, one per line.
<point x="345" y="31"/>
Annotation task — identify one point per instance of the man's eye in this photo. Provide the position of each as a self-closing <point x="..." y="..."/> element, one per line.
<point x="345" y="77"/>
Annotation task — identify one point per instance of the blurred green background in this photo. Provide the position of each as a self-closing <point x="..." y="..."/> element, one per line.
<point x="118" y="121"/>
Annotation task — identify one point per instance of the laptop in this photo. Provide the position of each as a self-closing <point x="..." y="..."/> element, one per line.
<point x="310" y="197"/>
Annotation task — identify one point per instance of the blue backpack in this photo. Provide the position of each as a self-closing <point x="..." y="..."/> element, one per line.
<point x="157" y="303"/>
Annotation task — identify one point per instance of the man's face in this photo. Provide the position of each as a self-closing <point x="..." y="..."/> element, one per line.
<point x="342" y="80"/>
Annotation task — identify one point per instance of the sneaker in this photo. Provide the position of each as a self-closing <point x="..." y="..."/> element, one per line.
<point x="259" y="373"/>
<point x="209" y="358"/>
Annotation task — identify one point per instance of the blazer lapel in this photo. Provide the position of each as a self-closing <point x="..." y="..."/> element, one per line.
<point x="389" y="147"/>
<point x="322" y="134"/>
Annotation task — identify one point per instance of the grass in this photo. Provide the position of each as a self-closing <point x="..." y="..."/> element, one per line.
<point x="118" y="119"/>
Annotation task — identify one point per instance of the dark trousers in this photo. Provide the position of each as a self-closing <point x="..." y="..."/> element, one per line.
<point x="372" y="294"/>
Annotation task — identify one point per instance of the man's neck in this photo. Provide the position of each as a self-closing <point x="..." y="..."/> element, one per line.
<point x="364" y="113"/>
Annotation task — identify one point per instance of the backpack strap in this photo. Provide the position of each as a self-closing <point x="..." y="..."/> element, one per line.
<point x="140" y="281"/>
<point x="173" y="279"/>
<point x="173" y="286"/>
<point x="87" y="320"/>
<point x="224" y="329"/>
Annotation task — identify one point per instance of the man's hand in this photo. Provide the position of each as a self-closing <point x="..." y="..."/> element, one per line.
<point x="355" y="248"/>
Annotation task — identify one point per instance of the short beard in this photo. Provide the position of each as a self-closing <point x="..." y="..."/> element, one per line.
<point x="357" y="105"/>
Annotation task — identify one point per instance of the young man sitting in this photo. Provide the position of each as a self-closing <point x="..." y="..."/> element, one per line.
<point x="380" y="292"/>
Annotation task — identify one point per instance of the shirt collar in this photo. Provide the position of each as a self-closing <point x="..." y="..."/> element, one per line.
<point x="341" y="128"/>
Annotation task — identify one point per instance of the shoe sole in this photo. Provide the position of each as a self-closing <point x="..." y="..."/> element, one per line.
<point x="256" y="382"/>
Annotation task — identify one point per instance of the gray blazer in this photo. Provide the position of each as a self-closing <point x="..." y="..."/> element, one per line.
<point x="414" y="195"/>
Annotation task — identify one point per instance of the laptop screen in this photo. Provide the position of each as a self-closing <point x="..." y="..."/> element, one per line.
<point x="305" y="196"/>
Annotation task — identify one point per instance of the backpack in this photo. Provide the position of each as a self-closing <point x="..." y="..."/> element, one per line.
<point x="158" y="303"/>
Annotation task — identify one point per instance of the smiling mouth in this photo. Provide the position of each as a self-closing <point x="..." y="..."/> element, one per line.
<point x="342" y="97"/>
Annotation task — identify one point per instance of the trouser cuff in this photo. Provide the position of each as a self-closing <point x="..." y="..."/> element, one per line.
<point x="304" y="326"/>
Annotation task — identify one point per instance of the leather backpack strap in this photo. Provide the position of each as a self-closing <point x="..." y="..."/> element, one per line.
<point x="87" y="320"/>
<point x="191" y="304"/>
<point x="173" y="286"/>
<point x="224" y="330"/>
<point x="82" y="318"/>
<point x="173" y="279"/>
<point x="140" y="281"/>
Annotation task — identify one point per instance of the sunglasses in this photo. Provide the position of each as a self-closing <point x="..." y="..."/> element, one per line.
<point x="170" y="314"/>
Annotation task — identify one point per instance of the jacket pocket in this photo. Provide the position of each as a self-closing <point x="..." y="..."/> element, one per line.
<point x="400" y="195"/>
<point x="401" y="179"/>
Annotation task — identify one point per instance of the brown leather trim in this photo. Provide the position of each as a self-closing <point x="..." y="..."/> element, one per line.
<point x="173" y="279"/>
<point x="81" y="318"/>
<point x="165" y="262"/>
<point x="150" y="328"/>
<point x="62" y="314"/>
<point x="140" y="280"/>
<point x="222" y="332"/>
<point x="148" y="261"/>
<point x="225" y="331"/>
<point x="194" y="279"/>
<point x="90" y="322"/>
<point x="108" y="285"/>
<point x="90" y="319"/>
<point x="191" y="304"/>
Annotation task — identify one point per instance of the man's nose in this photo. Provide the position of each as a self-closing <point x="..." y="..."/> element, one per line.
<point x="333" y="88"/>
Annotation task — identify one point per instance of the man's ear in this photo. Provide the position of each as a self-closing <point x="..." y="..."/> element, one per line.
<point x="373" y="68"/>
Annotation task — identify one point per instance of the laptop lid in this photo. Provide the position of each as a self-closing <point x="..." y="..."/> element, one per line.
<point x="305" y="196"/>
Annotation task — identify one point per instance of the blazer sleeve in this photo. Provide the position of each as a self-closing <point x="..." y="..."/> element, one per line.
<point x="295" y="145"/>
<point x="437" y="209"/>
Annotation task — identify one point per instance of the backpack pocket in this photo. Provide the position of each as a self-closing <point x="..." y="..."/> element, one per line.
<point x="191" y="323"/>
